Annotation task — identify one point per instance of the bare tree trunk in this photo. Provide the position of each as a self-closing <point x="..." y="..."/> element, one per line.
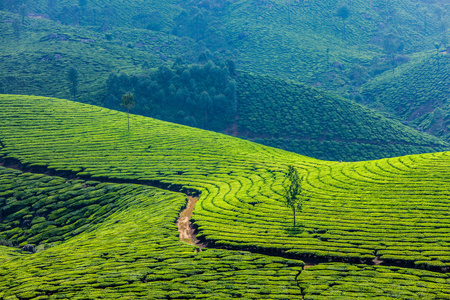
<point x="128" y="115"/>
<point x="293" y="210"/>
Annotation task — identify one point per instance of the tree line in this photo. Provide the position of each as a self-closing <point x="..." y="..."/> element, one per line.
<point x="200" y="95"/>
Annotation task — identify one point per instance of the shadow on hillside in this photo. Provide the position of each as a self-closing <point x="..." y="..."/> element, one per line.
<point x="294" y="230"/>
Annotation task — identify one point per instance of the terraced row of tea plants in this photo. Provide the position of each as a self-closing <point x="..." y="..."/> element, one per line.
<point x="130" y="250"/>
<point x="308" y="41"/>
<point x="344" y="281"/>
<point x="304" y="120"/>
<point x="133" y="251"/>
<point x="356" y="211"/>
<point x="418" y="94"/>
<point x="95" y="12"/>
<point x="394" y="209"/>
<point x="38" y="209"/>
<point x="270" y="111"/>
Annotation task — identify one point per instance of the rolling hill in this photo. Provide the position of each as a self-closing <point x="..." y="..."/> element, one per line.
<point x="392" y="212"/>
<point x="305" y="120"/>
<point x="322" y="132"/>
<point x="268" y="110"/>
<point x="417" y="94"/>
<point x="37" y="62"/>
<point x="89" y="209"/>
<point x="309" y="42"/>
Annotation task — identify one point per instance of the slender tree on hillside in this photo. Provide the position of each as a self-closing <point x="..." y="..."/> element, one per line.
<point x="16" y="28"/>
<point x="204" y="103"/>
<point x="392" y="45"/>
<point x="23" y="10"/>
<point x="292" y="192"/>
<point x="343" y="12"/>
<point x="72" y="77"/>
<point x="128" y="103"/>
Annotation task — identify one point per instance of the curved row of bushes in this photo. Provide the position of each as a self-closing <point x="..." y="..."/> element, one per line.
<point x="394" y="210"/>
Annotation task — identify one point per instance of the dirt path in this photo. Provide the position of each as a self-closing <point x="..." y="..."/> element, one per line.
<point x="187" y="230"/>
<point x="185" y="227"/>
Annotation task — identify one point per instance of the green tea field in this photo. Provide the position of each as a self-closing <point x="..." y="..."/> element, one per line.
<point x="37" y="62"/>
<point x="418" y="93"/>
<point x="99" y="204"/>
<point x="309" y="121"/>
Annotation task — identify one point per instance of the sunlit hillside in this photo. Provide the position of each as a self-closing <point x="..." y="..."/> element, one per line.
<point x="104" y="215"/>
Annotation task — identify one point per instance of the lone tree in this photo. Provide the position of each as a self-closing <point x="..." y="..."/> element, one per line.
<point x="343" y="12"/>
<point x="292" y="192"/>
<point x="392" y="46"/>
<point x="72" y="77"/>
<point x="16" y="28"/>
<point x="128" y="103"/>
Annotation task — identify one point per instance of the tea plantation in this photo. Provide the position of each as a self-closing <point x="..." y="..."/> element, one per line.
<point x="418" y="94"/>
<point x="304" y="41"/>
<point x="305" y="120"/>
<point x="37" y="62"/>
<point x="344" y="281"/>
<point x="104" y="232"/>
<point x="133" y="253"/>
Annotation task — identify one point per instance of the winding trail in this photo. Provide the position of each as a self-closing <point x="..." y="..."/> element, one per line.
<point x="186" y="228"/>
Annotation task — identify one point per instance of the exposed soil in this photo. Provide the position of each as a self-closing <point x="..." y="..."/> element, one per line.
<point x="377" y="261"/>
<point x="309" y="265"/>
<point x="186" y="228"/>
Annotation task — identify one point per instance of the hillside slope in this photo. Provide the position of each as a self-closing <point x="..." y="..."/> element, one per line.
<point x="356" y="212"/>
<point x="268" y="110"/>
<point x="311" y="42"/>
<point x="37" y="61"/>
<point x="305" y="120"/>
<point x="132" y="252"/>
<point x="418" y="94"/>
<point x="38" y="56"/>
